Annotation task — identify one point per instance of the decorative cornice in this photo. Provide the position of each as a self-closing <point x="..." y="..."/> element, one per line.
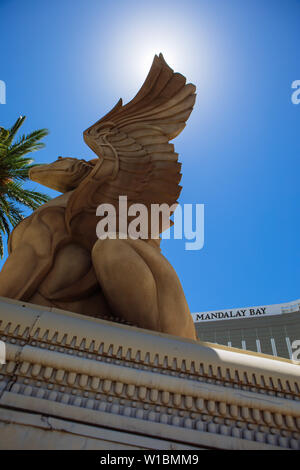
<point x="66" y="365"/>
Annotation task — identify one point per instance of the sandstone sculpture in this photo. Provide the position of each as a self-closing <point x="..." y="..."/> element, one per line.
<point x="55" y="258"/>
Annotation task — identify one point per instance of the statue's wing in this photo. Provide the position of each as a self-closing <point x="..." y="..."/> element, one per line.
<point x="137" y="137"/>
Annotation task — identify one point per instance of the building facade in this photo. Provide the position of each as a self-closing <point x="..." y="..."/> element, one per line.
<point x="71" y="381"/>
<point x="268" y="329"/>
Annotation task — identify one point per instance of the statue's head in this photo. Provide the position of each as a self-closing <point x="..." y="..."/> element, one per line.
<point x="63" y="175"/>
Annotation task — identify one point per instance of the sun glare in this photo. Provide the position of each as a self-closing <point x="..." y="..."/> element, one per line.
<point x="135" y="48"/>
<point x="133" y="43"/>
<point x="140" y="53"/>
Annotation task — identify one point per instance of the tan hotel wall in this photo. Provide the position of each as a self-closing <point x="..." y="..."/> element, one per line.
<point x="274" y="332"/>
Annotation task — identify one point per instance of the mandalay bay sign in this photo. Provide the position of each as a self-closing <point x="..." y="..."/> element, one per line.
<point x="247" y="312"/>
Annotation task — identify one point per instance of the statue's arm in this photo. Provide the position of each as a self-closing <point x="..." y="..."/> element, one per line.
<point x="17" y="272"/>
<point x="22" y="272"/>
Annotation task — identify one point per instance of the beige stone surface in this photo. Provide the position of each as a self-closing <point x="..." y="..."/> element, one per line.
<point x="80" y="382"/>
<point x="31" y="431"/>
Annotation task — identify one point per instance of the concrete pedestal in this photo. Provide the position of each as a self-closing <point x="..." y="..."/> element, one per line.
<point x="75" y="382"/>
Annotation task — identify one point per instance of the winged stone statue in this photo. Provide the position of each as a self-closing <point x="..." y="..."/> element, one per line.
<point x="55" y="257"/>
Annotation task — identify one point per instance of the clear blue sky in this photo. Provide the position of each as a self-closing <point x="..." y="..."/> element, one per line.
<point x="66" y="62"/>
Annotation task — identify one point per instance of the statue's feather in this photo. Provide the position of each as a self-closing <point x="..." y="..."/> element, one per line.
<point x="137" y="135"/>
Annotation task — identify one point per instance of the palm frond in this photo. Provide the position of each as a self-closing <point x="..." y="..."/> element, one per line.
<point x="14" y="129"/>
<point x="14" y="171"/>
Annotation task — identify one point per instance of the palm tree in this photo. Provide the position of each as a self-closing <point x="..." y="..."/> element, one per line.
<point x="14" y="170"/>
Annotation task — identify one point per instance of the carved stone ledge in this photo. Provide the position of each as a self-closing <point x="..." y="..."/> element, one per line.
<point x="128" y="380"/>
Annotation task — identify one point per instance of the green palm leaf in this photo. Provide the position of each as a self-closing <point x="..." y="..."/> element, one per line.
<point x="14" y="171"/>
